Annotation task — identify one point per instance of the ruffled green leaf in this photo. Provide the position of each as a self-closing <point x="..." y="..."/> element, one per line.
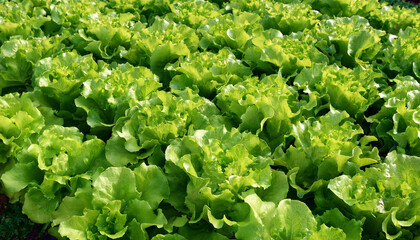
<point x="18" y="59"/>
<point x="207" y="72"/>
<point x="387" y="190"/>
<point x="115" y="183"/>
<point x="153" y="123"/>
<point x="105" y="99"/>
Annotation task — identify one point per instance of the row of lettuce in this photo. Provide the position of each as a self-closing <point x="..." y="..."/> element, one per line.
<point x="212" y="120"/>
<point x="264" y="35"/>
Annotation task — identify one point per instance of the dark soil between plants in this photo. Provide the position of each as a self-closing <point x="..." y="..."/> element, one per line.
<point x="15" y="225"/>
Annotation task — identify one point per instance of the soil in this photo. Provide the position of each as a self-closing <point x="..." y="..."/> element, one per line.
<point x="15" y="225"/>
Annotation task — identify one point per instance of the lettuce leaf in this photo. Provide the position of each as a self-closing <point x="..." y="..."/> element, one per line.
<point x="20" y="120"/>
<point x="18" y="61"/>
<point x="348" y="40"/>
<point x="151" y="125"/>
<point x="59" y="79"/>
<point x="54" y="165"/>
<point x="271" y="52"/>
<point x="322" y="149"/>
<point x="207" y="72"/>
<point x="351" y="90"/>
<point x="397" y="122"/>
<point x="386" y="194"/>
<point x="193" y="13"/>
<point x="401" y="54"/>
<point x="123" y="204"/>
<point x="161" y="43"/>
<point x="344" y="8"/>
<point x="220" y="167"/>
<point x="266" y="107"/>
<point x="289" y="219"/>
<point x="228" y="30"/>
<point x="106" y="36"/>
<point x="107" y="97"/>
<point x="392" y="19"/>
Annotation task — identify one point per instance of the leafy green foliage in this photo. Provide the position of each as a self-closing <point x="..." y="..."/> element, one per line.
<point x="349" y="40"/>
<point x="350" y="90"/>
<point x="107" y="97"/>
<point x="402" y="54"/>
<point x="59" y="79"/>
<point x="393" y="19"/>
<point x="208" y="72"/>
<point x="18" y="59"/>
<point x="398" y="117"/>
<point x="265" y="107"/>
<point x="371" y="191"/>
<point x="323" y="148"/>
<point x="241" y="119"/>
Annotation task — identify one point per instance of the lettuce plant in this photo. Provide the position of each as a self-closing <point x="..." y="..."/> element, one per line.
<point x="150" y="126"/>
<point x="265" y="107"/>
<point x="270" y="52"/>
<point x="20" y="120"/>
<point x="193" y="13"/>
<point x="323" y="148"/>
<point x="393" y="19"/>
<point x="55" y="164"/>
<point x="106" y="97"/>
<point x="60" y="79"/>
<point x="402" y="54"/>
<point x="352" y="90"/>
<point x="386" y="191"/>
<point x="220" y="119"/>
<point x="19" y="58"/>
<point x="398" y="119"/>
<point x="361" y="44"/>
<point x="207" y="72"/>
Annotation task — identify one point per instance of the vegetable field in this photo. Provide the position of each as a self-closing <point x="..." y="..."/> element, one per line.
<point x="193" y="119"/>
